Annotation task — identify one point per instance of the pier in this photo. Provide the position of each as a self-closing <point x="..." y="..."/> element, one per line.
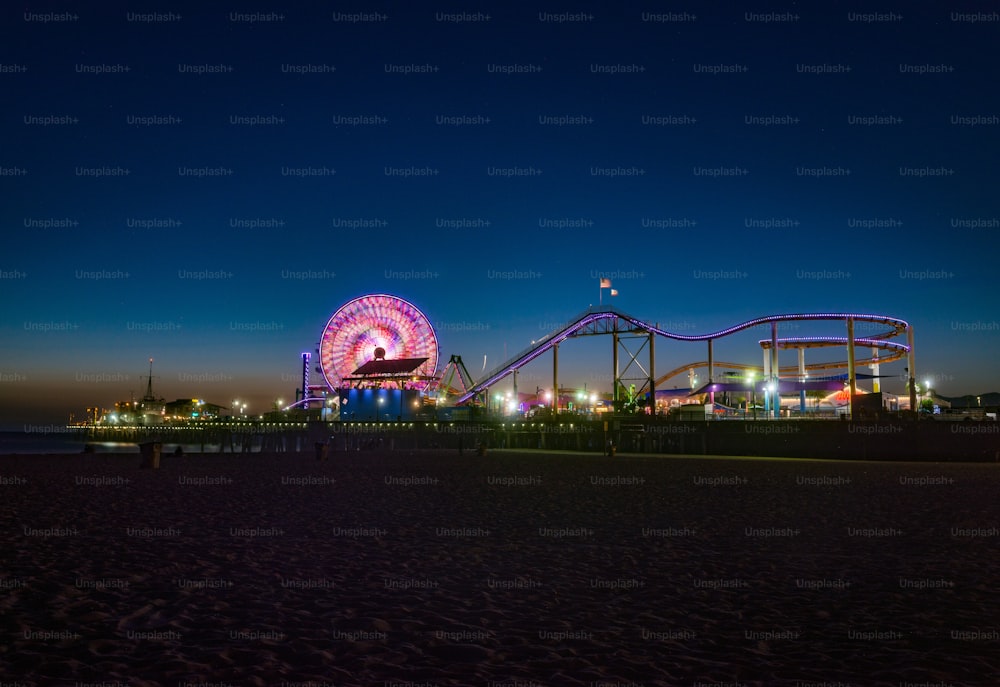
<point x="885" y="439"/>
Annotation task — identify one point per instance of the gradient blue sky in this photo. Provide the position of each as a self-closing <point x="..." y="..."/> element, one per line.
<point x="91" y="288"/>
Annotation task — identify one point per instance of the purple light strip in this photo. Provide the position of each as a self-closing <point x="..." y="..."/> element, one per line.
<point x="898" y="326"/>
<point x="841" y="340"/>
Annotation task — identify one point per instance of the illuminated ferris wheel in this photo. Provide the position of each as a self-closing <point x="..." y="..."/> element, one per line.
<point x="375" y="327"/>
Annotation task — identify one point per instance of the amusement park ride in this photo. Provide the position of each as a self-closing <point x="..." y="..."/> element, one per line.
<point x="378" y="355"/>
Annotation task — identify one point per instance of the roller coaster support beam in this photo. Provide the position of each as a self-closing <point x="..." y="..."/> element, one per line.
<point x="711" y="374"/>
<point x="767" y="382"/>
<point x="912" y="369"/>
<point x="776" y="398"/>
<point x="876" y="385"/>
<point x="652" y="377"/>
<point x="614" y="366"/>
<point x="555" y="379"/>
<point x="802" y="378"/>
<point x="517" y="400"/>
<point x="851" y="373"/>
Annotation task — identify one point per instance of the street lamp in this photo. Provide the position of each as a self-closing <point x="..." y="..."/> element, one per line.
<point x="377" y="406"/>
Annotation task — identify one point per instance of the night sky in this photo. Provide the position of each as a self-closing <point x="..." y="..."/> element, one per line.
<point x="206" y="186"/>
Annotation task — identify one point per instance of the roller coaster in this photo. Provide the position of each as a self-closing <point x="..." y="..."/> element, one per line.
<point x="620" y="325"/>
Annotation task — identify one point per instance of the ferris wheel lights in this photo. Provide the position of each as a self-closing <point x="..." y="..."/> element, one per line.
<point x="378" y="326"/>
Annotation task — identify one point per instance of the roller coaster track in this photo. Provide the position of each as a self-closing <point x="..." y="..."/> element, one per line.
<point x="896" y="351"/>
<point x="609" y="320"/>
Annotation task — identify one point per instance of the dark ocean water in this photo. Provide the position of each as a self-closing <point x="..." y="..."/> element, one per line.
<point x="41" y="442"/>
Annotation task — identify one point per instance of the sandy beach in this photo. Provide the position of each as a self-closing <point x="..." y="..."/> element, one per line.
<point x="517" y="568"/>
